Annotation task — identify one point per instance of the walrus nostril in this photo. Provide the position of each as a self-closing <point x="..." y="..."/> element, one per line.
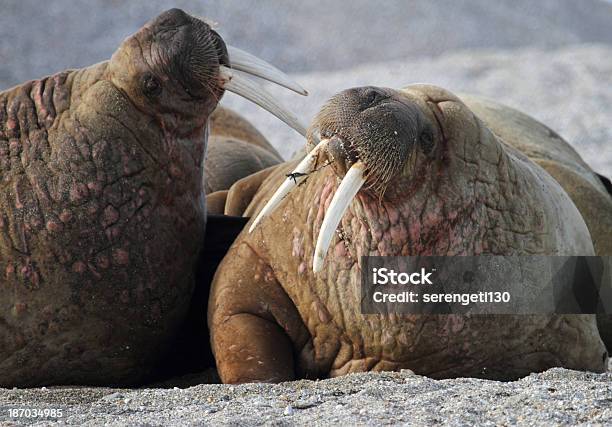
<point x="172" y="18"/>
<point x="372" y="97"/>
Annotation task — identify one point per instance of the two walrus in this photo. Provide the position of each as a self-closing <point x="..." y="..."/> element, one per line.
<point x="102" y="201"/>
<point x="404" y="172"/>
<point x="102" y="215"/>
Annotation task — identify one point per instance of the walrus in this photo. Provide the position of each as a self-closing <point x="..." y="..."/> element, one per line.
<point x="416" y="171"/>
<point x="236" y="149"/>
<point x="102" y="201"/>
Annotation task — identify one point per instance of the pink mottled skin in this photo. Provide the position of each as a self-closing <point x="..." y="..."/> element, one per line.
<point x="273" y="319"/>
<point x="102" y="209"/>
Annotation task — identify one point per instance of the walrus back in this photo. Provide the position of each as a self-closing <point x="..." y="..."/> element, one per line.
<point x="530" y="136"/>
<point x="555" y="155"/>
<point x="236" y="149"/>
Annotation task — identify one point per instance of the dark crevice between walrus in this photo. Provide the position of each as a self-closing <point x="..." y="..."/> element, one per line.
<point x="606" y="183"/>
<point x="190" y="360"/>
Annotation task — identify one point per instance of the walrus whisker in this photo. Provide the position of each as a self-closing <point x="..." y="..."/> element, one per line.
<point x="250" y="64"/>
<point x="328" y="163"/>
<point x="293" y="180"/>
<point x="348" y="188"/>
<point x="234" y="82"/>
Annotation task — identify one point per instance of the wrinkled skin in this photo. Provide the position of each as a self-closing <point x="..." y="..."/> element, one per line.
<point x="102" y="208"/>
<point x="440" y="182"/>
<point x="547" y="149"/>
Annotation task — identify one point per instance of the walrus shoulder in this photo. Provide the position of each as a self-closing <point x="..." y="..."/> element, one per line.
<point x="528" y="135"/>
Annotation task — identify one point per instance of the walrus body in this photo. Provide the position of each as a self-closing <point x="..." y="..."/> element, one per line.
<point x="79" y="234"/>
<point x="102" y="203"/>
<point x="236" y="149"/>
<point x="547" y="149"/>
<point x="442" y="178"/>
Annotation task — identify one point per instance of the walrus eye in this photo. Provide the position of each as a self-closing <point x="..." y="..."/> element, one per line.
<point x="426" y="141"/>
<point x="151" y="86"/>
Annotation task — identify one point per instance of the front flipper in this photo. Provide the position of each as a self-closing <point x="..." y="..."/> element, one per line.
<point x="215" y="202"/>
<point x="242" y="192"/>
<point x="235" y="201"/>
<point x="255" y="328"/>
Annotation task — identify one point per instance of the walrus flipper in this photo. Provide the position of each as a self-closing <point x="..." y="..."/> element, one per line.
<point x="241" y="194"/>
<point x="215" y="202"/>
<point x="253" y="322"/>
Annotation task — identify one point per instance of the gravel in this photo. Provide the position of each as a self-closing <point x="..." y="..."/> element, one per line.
<point x="555" y="397"/>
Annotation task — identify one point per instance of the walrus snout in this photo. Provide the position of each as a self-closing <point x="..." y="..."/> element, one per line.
<point x="341" y="154"/>
<point x="185" y="49"/>
<point x="378" y="126"/>
<point x="193" y="39"/>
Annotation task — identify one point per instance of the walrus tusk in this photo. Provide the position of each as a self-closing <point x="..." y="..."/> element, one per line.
<point x="234" y="82"/>
<point x="348" y="188"/>
<point x="293" y="180"/>
<point x="250" y="64"/>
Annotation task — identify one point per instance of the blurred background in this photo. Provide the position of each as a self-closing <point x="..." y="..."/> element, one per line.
<point x="551" y="58"/>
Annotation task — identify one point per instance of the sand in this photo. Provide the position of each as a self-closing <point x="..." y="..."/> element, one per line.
<point x="555" y="397"/>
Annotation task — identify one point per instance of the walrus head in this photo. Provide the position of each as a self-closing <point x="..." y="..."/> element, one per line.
<point x="390" y="146"/>
<point x="377" y="127"/>
<point x="177" y="68"/>
<point x="422" y="156"/>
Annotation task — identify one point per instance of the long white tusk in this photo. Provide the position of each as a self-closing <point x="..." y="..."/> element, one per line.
<point x="255" y="66"/>
<point x="234" y="82"/>
<point x="343" y="197"/>
<point x="306" y="166"/>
